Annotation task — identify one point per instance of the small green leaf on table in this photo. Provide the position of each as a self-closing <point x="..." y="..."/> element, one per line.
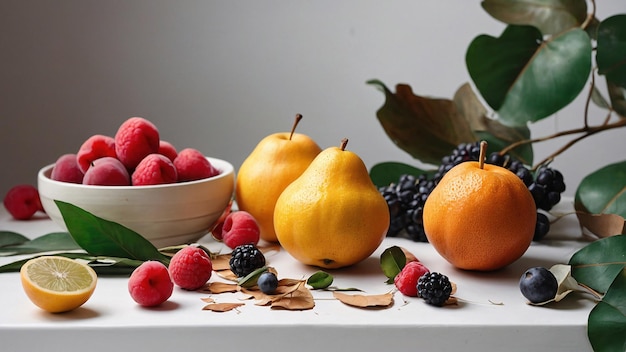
<point x="56" y="241"/>
<point x="607" y="321"/>
<point x="597" y="264"/>
<point x="392" y="260"/>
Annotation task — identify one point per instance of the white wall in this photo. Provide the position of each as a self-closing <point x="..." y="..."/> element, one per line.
<point x="220" y="75"/>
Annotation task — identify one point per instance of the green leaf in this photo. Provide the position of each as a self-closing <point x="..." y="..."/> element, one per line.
<point x="386" y="173"/>
<point x="518" y="68"/>
<point x="320" y="280"/>
<point x="426" y="128"/>
<point x="56" y="241"/>
<point x="603" y="191"/>
<point x="597" y="264"/>
<point x="611" y="49"/>
<point x="617" y="95"/>
<point x="550" y="16"/>
<point x="606" y="325"/>
<point x="9" y="238"/>
<point x="251" y="279"/>
<point x="101" y="237"/>
<point x="102" y="266"/>
<point x="496" y="134"/>
<point x="392" y="260"/>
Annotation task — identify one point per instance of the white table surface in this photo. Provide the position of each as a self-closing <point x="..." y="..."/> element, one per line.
<point x="112" y="321"/>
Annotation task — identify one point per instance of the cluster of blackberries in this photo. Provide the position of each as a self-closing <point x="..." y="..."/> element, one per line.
<point x="406" y="198"/>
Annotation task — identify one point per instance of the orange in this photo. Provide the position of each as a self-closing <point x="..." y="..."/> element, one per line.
<point x="332" y="216"/>
<point x="57" y="284"/>
<point x="480" y="218"/>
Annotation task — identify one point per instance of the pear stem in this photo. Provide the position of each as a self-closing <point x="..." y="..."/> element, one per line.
<point x="344" y="143"/>
<point x="483" y="152"/>
<point x="295" y="124"/>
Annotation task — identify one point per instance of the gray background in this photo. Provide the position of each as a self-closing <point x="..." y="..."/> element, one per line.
<point x="220" y="75"/>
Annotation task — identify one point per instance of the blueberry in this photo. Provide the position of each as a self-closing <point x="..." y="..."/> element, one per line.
<point x="267" y="282"/>
<point x="538" y="285"/>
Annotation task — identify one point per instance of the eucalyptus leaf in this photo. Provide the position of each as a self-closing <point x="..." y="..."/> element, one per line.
<point x="426" y="128"/>
<point x="101" y="237"/>
<point x="611" y="49"/>
<point x="251" y="279"/>
<point x="550" y="16"/>
<point x="603" y="191"/>
<point x="56" y="241"/>
<point x="386" y="173"/>
<point x="606" y="325"/>
<point x="597" y="264"/>
<point x="519" y="67"/>
<point x="10" y="238"/>
<point x="320" y="280"/>
<point x="497" y="135"/>
<point x="392" y="260"/>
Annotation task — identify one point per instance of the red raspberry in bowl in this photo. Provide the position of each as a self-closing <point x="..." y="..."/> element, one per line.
<point x="406" y="280"/>
<point x="150" y="284"/>
<point x="107" y="171"/>
<point x="95" y="147"/>
<point x="135" y="139"/>
<point x="154" y="169"/>
<point x="166" y="148"/>
<point x="22" y="201"/>
<point x="66" y="169"/>
<point x="190" y="268"/>
<point x="192" y="165"/>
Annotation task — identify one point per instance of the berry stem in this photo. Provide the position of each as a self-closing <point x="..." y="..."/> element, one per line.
<point x="483" y="153"/>
<point x="344" y="143"/>
<point x="295" y="124"/>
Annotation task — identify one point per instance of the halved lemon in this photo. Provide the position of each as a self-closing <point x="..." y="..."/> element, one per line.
<point x="57" y="284"/>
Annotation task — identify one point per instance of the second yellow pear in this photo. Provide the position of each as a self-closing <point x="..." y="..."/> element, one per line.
<point x="275" y="162"/>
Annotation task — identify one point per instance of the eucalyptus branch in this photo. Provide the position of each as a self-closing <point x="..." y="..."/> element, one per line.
<point x="587" y="131"/>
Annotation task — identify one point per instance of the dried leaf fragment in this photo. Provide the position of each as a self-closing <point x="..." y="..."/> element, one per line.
<point x="602" y="225"/>
<point x="300" y="299"/>
<point x="222" y="307"/>
<point x="365" y="301"/>
<point x="219" y="287"/>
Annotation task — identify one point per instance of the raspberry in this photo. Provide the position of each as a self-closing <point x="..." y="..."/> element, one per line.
<point x="150" y="285"/>
<point x="192" y="165"/>
<point x="66" y="169"/>
<point x="166" y="148"/>
<point x="406" y="280"/>
<point x="240" y="227"/>
<point x="22" y="202"/>
<point x="435" y="288"/>
<point x="107" y="171"/>
<point x="190" y="268"/>
<point x="95" y="147"/>
<point x="135" y="139"/>
<point x="246" y="259"/>
<point x="154" y="169"/>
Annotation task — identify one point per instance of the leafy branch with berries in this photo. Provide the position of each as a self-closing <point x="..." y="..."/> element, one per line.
<point x="548" y="55"/>
<point x="546" y="61"/>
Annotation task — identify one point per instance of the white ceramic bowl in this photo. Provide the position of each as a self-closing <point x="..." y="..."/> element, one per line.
<point x="166" y="215"/>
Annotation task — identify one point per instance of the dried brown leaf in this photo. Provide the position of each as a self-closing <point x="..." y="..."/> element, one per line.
<point x="365" y="301"/>
<point x="207" y="300"/>
<point x="221" y="262"/>
<point x="300" y="299"/>
<point x="219" y="287"/>
<point x="222" y="307"/>
<point x="410" y="257"/>
<point x="602" y="225"/>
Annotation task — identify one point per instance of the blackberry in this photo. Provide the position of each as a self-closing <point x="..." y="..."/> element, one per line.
<point x="547" y="188"/>
<point x="434" y="288"/>
<point x="245" y="259"/>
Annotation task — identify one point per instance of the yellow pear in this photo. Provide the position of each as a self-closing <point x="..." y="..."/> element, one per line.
<point x="274" y="163"/>
<point x="333" y="215"/>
